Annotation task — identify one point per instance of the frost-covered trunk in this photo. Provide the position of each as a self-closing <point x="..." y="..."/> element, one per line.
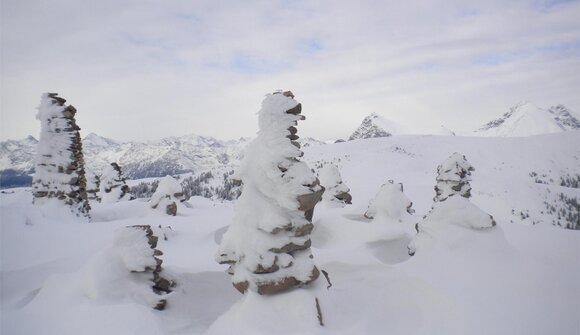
<point x="113" y="187"/>
<point x="268" y="244"/>
<point x="59" y="164"/>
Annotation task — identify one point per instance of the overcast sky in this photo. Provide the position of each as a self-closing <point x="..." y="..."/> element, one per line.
<point x="139" y="70"/>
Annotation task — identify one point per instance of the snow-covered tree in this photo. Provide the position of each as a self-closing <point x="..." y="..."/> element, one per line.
<point x="168" y="196"/>
<point x="268" y="244"/>
<point x="59" y="163"/>
<point x="453" y="177"/>
<point x="113" y="186"/>
<point x="451" y="207"/>
<point x="336" y="192"/>
<point x="389" y="203"/>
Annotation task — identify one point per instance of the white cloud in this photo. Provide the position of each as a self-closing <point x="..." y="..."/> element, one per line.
<point x="147" y="69"/>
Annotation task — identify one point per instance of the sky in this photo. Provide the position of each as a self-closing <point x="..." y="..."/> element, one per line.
<point x="143" y="70"/>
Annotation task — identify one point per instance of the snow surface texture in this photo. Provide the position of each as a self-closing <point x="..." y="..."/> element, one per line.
<point x="527" y="119"/>
<point x="113" y="187"/>
<point x="268" y="244"/>
<point x="451" y="206"/>
<point x="390" y="204"/>
<point x="59" y="166"/>
<point x="336" y="192"/>
<point x="517" y="278"/>
<point x="168" y="195"/>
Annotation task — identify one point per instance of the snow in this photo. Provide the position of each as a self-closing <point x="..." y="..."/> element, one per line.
<point x="389" y="204"/>
<point x="330" y="179"/>
<point x="168" y="191"/>
<point x="267" y="213"/>
<point x="60" y="276"/>
<point x="523" y="119"/>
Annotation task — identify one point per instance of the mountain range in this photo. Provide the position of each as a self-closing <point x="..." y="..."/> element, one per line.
<point x="523" y="119"/>
<point x="193" y="153"/>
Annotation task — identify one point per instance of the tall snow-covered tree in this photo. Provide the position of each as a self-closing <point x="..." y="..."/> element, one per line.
<point x="336" y="192"/>
<point x="451" y="207"/>
<point x="113" y="185"/>
<point x="59" y="164"/>
<point x="268" y="244"/>
<point x="168" y="195"/>
<point x="453" y="177"/>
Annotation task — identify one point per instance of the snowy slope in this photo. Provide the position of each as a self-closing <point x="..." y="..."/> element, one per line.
<point x="526" y="119"/>
<point x="58" y="275"/>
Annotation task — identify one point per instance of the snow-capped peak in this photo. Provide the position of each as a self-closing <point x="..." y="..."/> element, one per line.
<point x="375" y="125"/>
<point x="527" y="119"/>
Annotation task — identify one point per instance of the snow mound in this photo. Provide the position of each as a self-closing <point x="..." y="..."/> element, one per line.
<point x="336" y="192"/>
<point x="440" y="224"/>
<point x="167" y="196"/>
<point x="389" y="204"/>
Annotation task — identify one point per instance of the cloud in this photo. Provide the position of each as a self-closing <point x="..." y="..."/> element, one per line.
<point x="146" y="69"/>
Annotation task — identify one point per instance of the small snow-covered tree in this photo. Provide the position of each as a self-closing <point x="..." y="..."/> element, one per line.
<point x="268" y="244"/>
<point x="453" y="177"/>
<point x="451" y="207"/>
<point x="59" y="163"/>
<point x="168" y="196"/>
<point x="389" y="203"/>
<point x="336" y="192"/>
<point x="113" y="185"/>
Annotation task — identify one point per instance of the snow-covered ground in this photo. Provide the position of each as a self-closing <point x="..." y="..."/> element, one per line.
<point x="60" y="276"/>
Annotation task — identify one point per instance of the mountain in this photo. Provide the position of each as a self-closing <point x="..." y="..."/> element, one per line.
<point x="17" y="161"/>
<point x="527" y="119"/>
<point x="171" y="155"/>
<point x="375" y="125"/>
<point x="167" y="156"/>
<point x="18" y="154"/>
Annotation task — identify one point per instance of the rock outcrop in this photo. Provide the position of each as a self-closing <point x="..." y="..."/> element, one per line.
<point x="113" y="186"/>
<point x="168" y="196"/>
<point x="140" y="255"/>
<point x="59" y="164"/>
<point x="268" y="244"/>
<point x="451" y="208"/>
<point x="336" y="193"/>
